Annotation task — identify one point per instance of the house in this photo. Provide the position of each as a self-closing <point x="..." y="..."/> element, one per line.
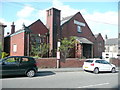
<point x="111" y="48"/>
<point x="99" y="43"/>
<point x="55" y="29"/>
<point x="21" y="41"/>
<point x="2" y="26"/>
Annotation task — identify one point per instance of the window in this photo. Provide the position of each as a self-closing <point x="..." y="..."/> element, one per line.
<point x="79" y="29"/>
<point x="11" y="61"/>
<point x="25" y="60"/>
<point x="98" y="61"/>
<point x="89" y="61"/>
<point x="14" y="48"/>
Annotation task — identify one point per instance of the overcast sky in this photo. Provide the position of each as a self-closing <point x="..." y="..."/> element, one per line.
<point x="102" y="17"/>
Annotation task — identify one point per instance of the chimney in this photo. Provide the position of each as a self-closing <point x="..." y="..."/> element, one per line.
<point x="12" y="28"/>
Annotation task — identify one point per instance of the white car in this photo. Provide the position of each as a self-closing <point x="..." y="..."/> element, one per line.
<point x="97" y="65"/>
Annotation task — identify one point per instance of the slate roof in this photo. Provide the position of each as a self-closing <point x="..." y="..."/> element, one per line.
<point x="83" y="40"/>
<point x="96" y="35"/>
<point x="66" y="19"/>
<point x="112" y="41"/>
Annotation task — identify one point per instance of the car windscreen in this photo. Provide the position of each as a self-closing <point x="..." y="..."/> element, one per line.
<point x="89" y="61"/>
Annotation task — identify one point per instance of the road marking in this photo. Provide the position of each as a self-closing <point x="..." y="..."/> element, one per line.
<point x="94" y="85"/>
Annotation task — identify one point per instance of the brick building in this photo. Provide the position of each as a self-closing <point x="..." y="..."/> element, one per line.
<point x="89" y="45"/>
<point x="20" y="42"/>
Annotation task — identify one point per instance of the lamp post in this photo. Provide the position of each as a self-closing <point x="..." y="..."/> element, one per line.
<point x="58" y="55"/>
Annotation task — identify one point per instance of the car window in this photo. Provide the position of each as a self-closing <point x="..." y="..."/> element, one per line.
<point x="105" y="62"/>
<point x="89" y="61"/>
<point x="24" y="60"/>
<point x="98" y="61"/>
<point x="11" y="60"/>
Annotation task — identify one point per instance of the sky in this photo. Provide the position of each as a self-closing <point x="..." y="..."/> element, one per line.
<point x="101" y="17"/>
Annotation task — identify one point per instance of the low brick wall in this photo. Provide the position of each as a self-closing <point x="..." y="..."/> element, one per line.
<point x="68" y="63"/>
<point x="46" y="62"/>
<point x="72" y="62"/>
<point x="115" y="62"/>
<point x="51" y="63"/>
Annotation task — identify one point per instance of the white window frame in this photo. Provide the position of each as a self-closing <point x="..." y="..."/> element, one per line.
<point x="14" y="48"/>
<point x="79" y="30"/>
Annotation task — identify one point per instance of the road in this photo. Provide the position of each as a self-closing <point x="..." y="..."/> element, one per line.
<point x="48" y="79"/>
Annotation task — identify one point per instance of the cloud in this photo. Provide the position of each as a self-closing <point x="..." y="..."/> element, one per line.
<point x="109" y="17"/>
<point x="99" y="22"/>
<point x="8" y="28"/>
<point x="25" y="12"/>
<point x="105" y="23"/>
<point x="18" y="24"/>
<point x="66" y="10"/>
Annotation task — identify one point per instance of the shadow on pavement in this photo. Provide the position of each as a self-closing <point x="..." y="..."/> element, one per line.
<point x="104" y="72"/>
<point x="38" y="74"/>
<point x="44" y="73"/>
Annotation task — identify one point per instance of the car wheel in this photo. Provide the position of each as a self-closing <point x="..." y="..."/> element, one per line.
<point x="113" y="70"/>
<point x="30" y="73"/>
<point x="96" y="71"/>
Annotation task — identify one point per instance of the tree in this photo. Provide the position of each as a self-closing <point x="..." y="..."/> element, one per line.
<point x="40" y="50"/>
<point x="66" y="45"/>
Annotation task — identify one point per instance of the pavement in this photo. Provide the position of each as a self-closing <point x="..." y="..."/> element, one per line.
<point x="66" y="69"/>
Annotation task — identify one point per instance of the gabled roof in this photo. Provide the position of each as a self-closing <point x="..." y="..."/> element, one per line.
<point x="112" y="41"/>
<point x="38" y="27"/>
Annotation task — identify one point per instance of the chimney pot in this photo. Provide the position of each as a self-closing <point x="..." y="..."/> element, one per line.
<point x="12" y="28"/>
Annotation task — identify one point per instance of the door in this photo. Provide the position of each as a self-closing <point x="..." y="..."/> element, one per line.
<point x="24" y="64"/>
<point x="107" y="65"/>
<point x="99" y="64"/>
<point x="10" y="66"/>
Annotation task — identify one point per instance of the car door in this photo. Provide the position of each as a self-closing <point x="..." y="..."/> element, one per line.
<point x="10" y="66"/>
<point x="107" y="66"/>
<point x="100" y="65"/>
<point x="24" y="64"/>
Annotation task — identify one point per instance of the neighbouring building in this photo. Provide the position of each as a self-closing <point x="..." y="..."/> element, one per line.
<point x="111" y="48"/>
<point x="89" y="45"/>
<point x="99" y="45"/>
<point x="21" y="41"/>
<point x="2" y="26"/>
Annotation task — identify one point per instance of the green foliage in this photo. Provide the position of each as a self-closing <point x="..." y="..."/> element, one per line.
<point x="39" y="50"/>
<point x="4" y="54"/>
<point x="66" y="46"/>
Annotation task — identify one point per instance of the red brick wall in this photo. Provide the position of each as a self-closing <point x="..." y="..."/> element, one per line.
<point x="99" y="47"/>
<point x="70" y="29"/>
<point x="17" y="39"/>
<point x="38" y="28"/>
<point x="69" y="63"/>
<point x="115" y="62"/>
<point x="51" y="63"/>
